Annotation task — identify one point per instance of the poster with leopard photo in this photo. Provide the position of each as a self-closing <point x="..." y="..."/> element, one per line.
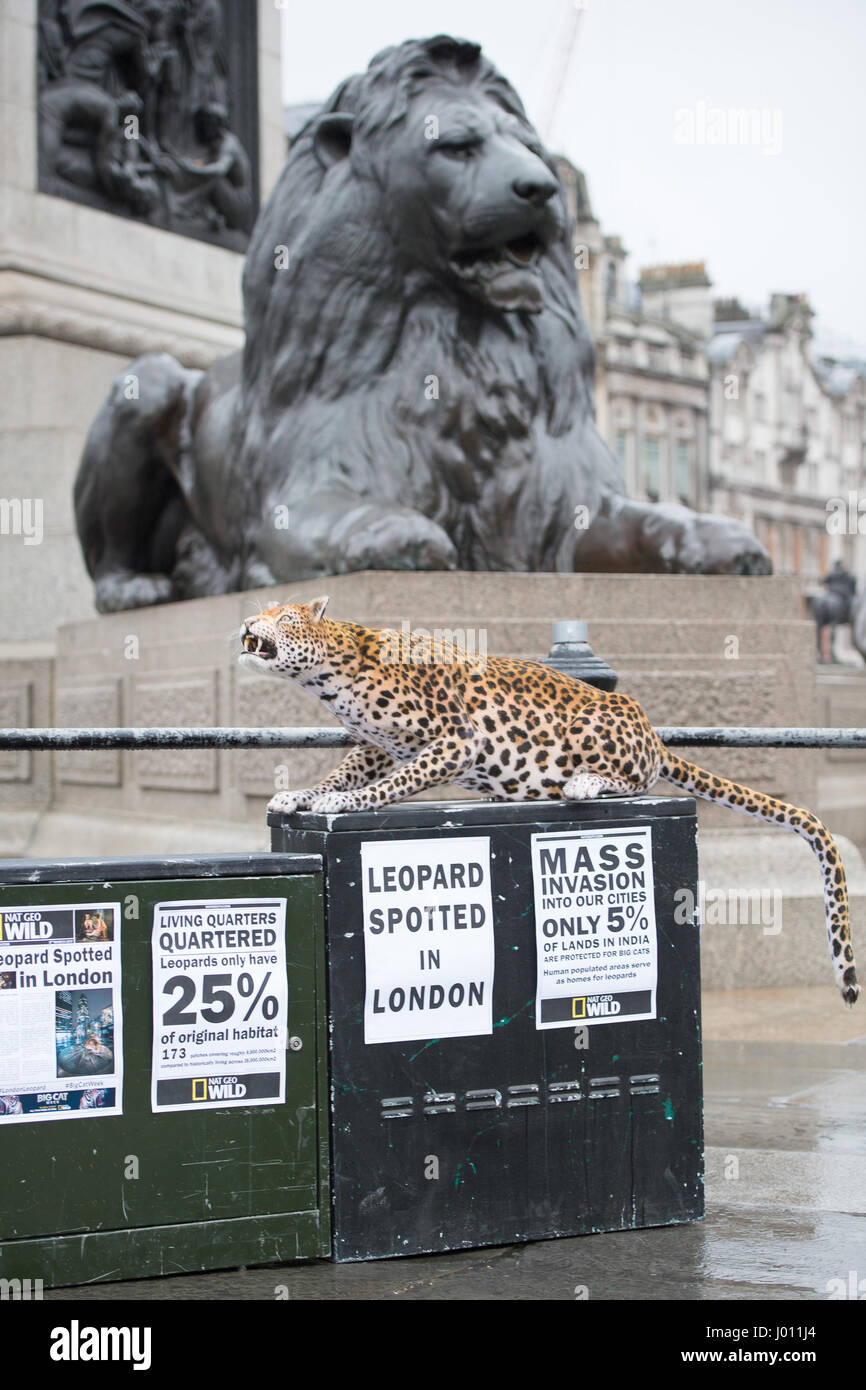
<point x="595" y="927"/>
<point x="61" y="1020"/>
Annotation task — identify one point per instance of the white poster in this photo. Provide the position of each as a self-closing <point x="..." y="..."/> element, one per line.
<point x="61" y="1019"/>
<point x="595" y="927"/>
<point x="428" y="939"/>
<point x="220" y="1003"/>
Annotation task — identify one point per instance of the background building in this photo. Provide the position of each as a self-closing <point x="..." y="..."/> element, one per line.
<point x="652" y="378"/>
<point x="731" y="412"/>
<point x="787" y="436"/>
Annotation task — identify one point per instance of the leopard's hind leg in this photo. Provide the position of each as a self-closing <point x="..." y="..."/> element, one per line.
<point x="586" y="786"/>
<point x="616" y="751"/>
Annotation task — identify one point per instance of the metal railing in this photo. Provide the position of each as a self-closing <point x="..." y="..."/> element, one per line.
<point x="61" y="740"/>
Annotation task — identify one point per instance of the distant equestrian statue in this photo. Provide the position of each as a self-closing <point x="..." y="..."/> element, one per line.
<point x="858" y="623"/>
<point x="832" y="608"/>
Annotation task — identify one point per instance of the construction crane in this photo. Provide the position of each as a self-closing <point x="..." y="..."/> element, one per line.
<point x="570" y="29"/>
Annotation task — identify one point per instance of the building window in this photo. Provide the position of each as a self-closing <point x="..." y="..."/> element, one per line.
<point x="766" y="533"/>
<point x="622" y="449"/>
<point x="652" y="468"/>
<point x="684" y="470"/>
<point x="619" y="350"/>
<point x="810" y="551"/>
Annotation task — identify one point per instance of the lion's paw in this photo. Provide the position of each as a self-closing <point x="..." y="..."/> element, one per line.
<point x="708" y="544"/>
<point x="116" y="592"/>
<point x="396" y="538"/>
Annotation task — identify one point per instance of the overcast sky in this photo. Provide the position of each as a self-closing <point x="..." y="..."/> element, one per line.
<point x="648" y="86"/>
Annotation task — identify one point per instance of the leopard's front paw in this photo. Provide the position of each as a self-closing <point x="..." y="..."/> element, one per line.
<point x="331" y="802"/>
<point x="291" y="801"/>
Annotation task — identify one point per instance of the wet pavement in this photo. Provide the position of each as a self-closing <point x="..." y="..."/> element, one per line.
<point x="785" y="1117"/>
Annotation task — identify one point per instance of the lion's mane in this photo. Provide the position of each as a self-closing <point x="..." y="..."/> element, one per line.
<point x="328" y="308"/>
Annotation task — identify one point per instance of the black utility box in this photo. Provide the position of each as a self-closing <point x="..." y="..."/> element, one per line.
<point x="514" y="1019"/>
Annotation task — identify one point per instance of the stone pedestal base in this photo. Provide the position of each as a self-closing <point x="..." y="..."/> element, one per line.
<point x="842" y="771"/>
<point x="82" y="293"/>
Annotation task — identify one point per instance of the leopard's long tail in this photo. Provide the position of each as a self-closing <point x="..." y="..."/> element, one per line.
<point x="705" y="784"/>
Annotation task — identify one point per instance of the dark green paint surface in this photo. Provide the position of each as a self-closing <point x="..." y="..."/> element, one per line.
<point x="215" y="1188"/>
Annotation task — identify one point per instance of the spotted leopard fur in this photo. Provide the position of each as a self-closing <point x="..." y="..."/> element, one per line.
<point x="510" y="730"/>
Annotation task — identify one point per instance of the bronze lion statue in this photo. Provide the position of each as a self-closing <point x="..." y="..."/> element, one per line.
<point x="416" y="387"/>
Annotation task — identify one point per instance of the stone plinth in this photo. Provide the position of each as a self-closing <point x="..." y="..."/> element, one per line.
<point x="694" y="650"/>
<point x="762" y="912"/>
<point x="842" y="771"/>
<point x="82" y="293"/>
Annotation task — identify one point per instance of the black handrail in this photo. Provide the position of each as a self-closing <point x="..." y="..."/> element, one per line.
<point x="62" y="740"/>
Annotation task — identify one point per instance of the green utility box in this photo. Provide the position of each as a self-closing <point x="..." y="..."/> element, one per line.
<point x="163" y="1066"/>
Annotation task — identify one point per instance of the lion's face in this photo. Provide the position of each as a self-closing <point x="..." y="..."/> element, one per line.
<point x="470" y="177"/>
<point x="467" y="193"/>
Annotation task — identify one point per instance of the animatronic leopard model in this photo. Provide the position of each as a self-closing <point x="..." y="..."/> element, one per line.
<point x="424" y="713"/>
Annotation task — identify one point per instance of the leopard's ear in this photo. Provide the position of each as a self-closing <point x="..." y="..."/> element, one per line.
<point x="317" y="607"/>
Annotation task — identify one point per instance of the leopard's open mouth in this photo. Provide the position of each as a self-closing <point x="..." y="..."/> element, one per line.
<point x="259" y="646"/>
